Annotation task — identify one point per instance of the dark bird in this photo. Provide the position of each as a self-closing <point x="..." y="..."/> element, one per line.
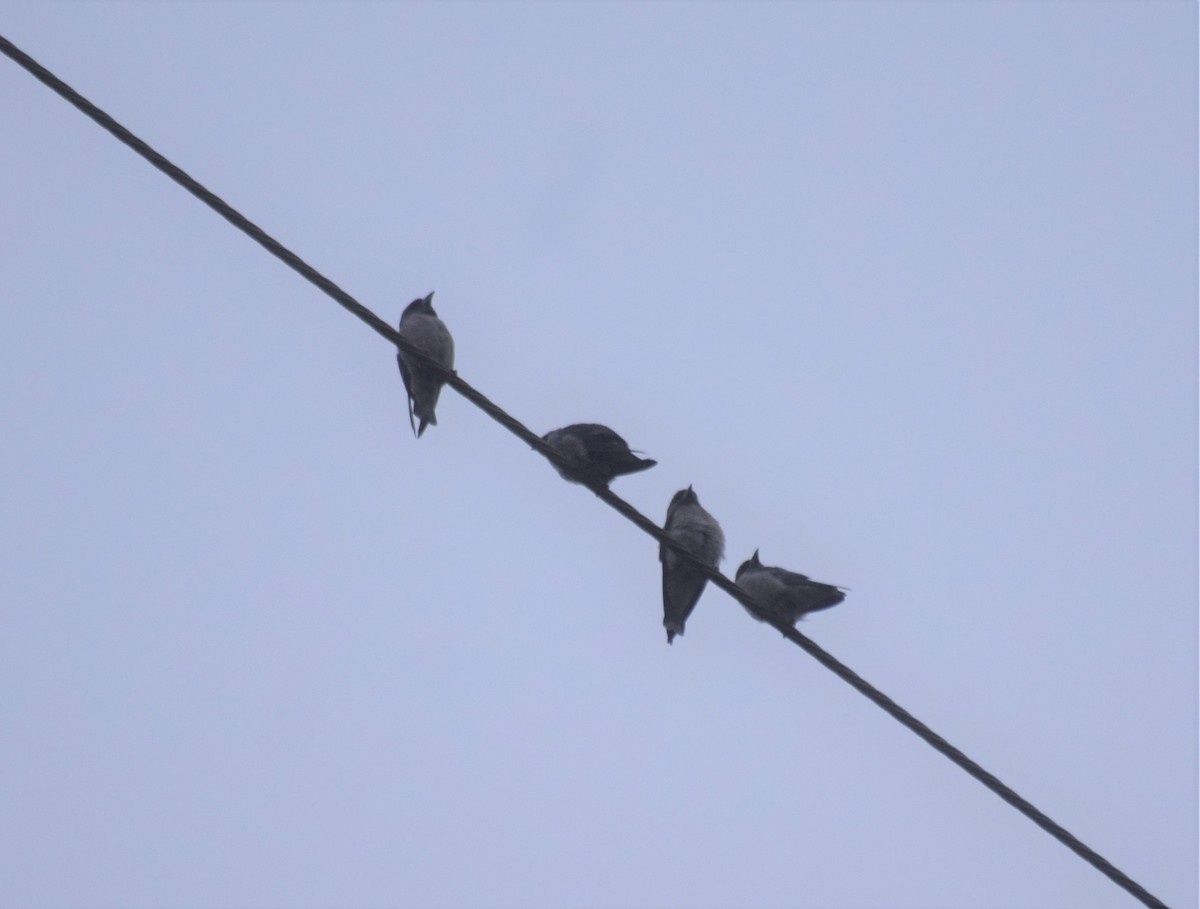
<point x="785" y="594"/>
<point x="595" y="453"/>
<point x="698" y="531"/>
<point x="421" y="327"/>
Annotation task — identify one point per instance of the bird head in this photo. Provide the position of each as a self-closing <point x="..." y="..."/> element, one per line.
<point x="749" y="565"/>
<point x="423" y="305"/>
<point x="685" y="497"/>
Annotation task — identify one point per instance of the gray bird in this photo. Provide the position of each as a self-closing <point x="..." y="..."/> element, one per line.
<point x="420" y="327"/>
<point x="698" y="531"/>
<point x="785" y="594"/>
<point x="597" y="454"/>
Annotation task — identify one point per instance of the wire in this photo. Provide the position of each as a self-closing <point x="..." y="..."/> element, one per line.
<point x="603" y="493"/>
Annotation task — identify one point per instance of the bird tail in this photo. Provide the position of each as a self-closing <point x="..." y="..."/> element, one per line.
<point x="426" y="420"/>
<point x="831" y="596"/>
<point x="835" y="596"/>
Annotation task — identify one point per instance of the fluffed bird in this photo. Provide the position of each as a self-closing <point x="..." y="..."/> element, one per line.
<point x="595" y="452"/>
<point x="421" y="327"/>
<point x="698" y="531"/>
<point x="785" y="594"/>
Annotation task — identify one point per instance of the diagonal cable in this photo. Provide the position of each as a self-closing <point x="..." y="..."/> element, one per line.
<point x="518" y="429"/>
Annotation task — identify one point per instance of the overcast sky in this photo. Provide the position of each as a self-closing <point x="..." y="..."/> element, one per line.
<point x="906" y="291"/>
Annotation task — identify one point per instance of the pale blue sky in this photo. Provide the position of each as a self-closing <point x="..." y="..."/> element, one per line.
<point x="907" y="291"/>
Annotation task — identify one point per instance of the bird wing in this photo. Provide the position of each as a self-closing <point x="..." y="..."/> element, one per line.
<point x="407" y="377"/>
<point x="792" y="578"/>
<point x="682" y="586"/>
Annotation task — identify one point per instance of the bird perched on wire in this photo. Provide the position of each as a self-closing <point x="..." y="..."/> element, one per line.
<point x="421" y="327"/>
<point x="698" y="531"/>
<point x="596" y="454"/>
<point x="785" y="594"/>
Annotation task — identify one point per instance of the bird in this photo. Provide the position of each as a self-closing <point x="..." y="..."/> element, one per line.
<point x="596" y="454"/>
<point x="421" y="327"/>
<point x="784" y="594"/>
<point x="698" y="531"/>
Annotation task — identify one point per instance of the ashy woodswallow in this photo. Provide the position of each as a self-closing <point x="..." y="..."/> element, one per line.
<point x="421" y="327"/>
<point x="785" y="594"/>
<point x="698" y="531"/>
<point x="596" y="453"/>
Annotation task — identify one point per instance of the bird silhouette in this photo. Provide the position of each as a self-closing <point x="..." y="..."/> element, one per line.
<point x="697" y="531"/>
<point x="785" y="594"/>
<point x="596" y="454"/>
<point x="421" y="327"/>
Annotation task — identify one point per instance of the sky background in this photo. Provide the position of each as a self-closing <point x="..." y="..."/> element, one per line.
<point x="907" y="291"/>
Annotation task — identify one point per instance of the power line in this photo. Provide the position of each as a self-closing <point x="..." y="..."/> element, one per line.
<point x="603" y="493"/>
